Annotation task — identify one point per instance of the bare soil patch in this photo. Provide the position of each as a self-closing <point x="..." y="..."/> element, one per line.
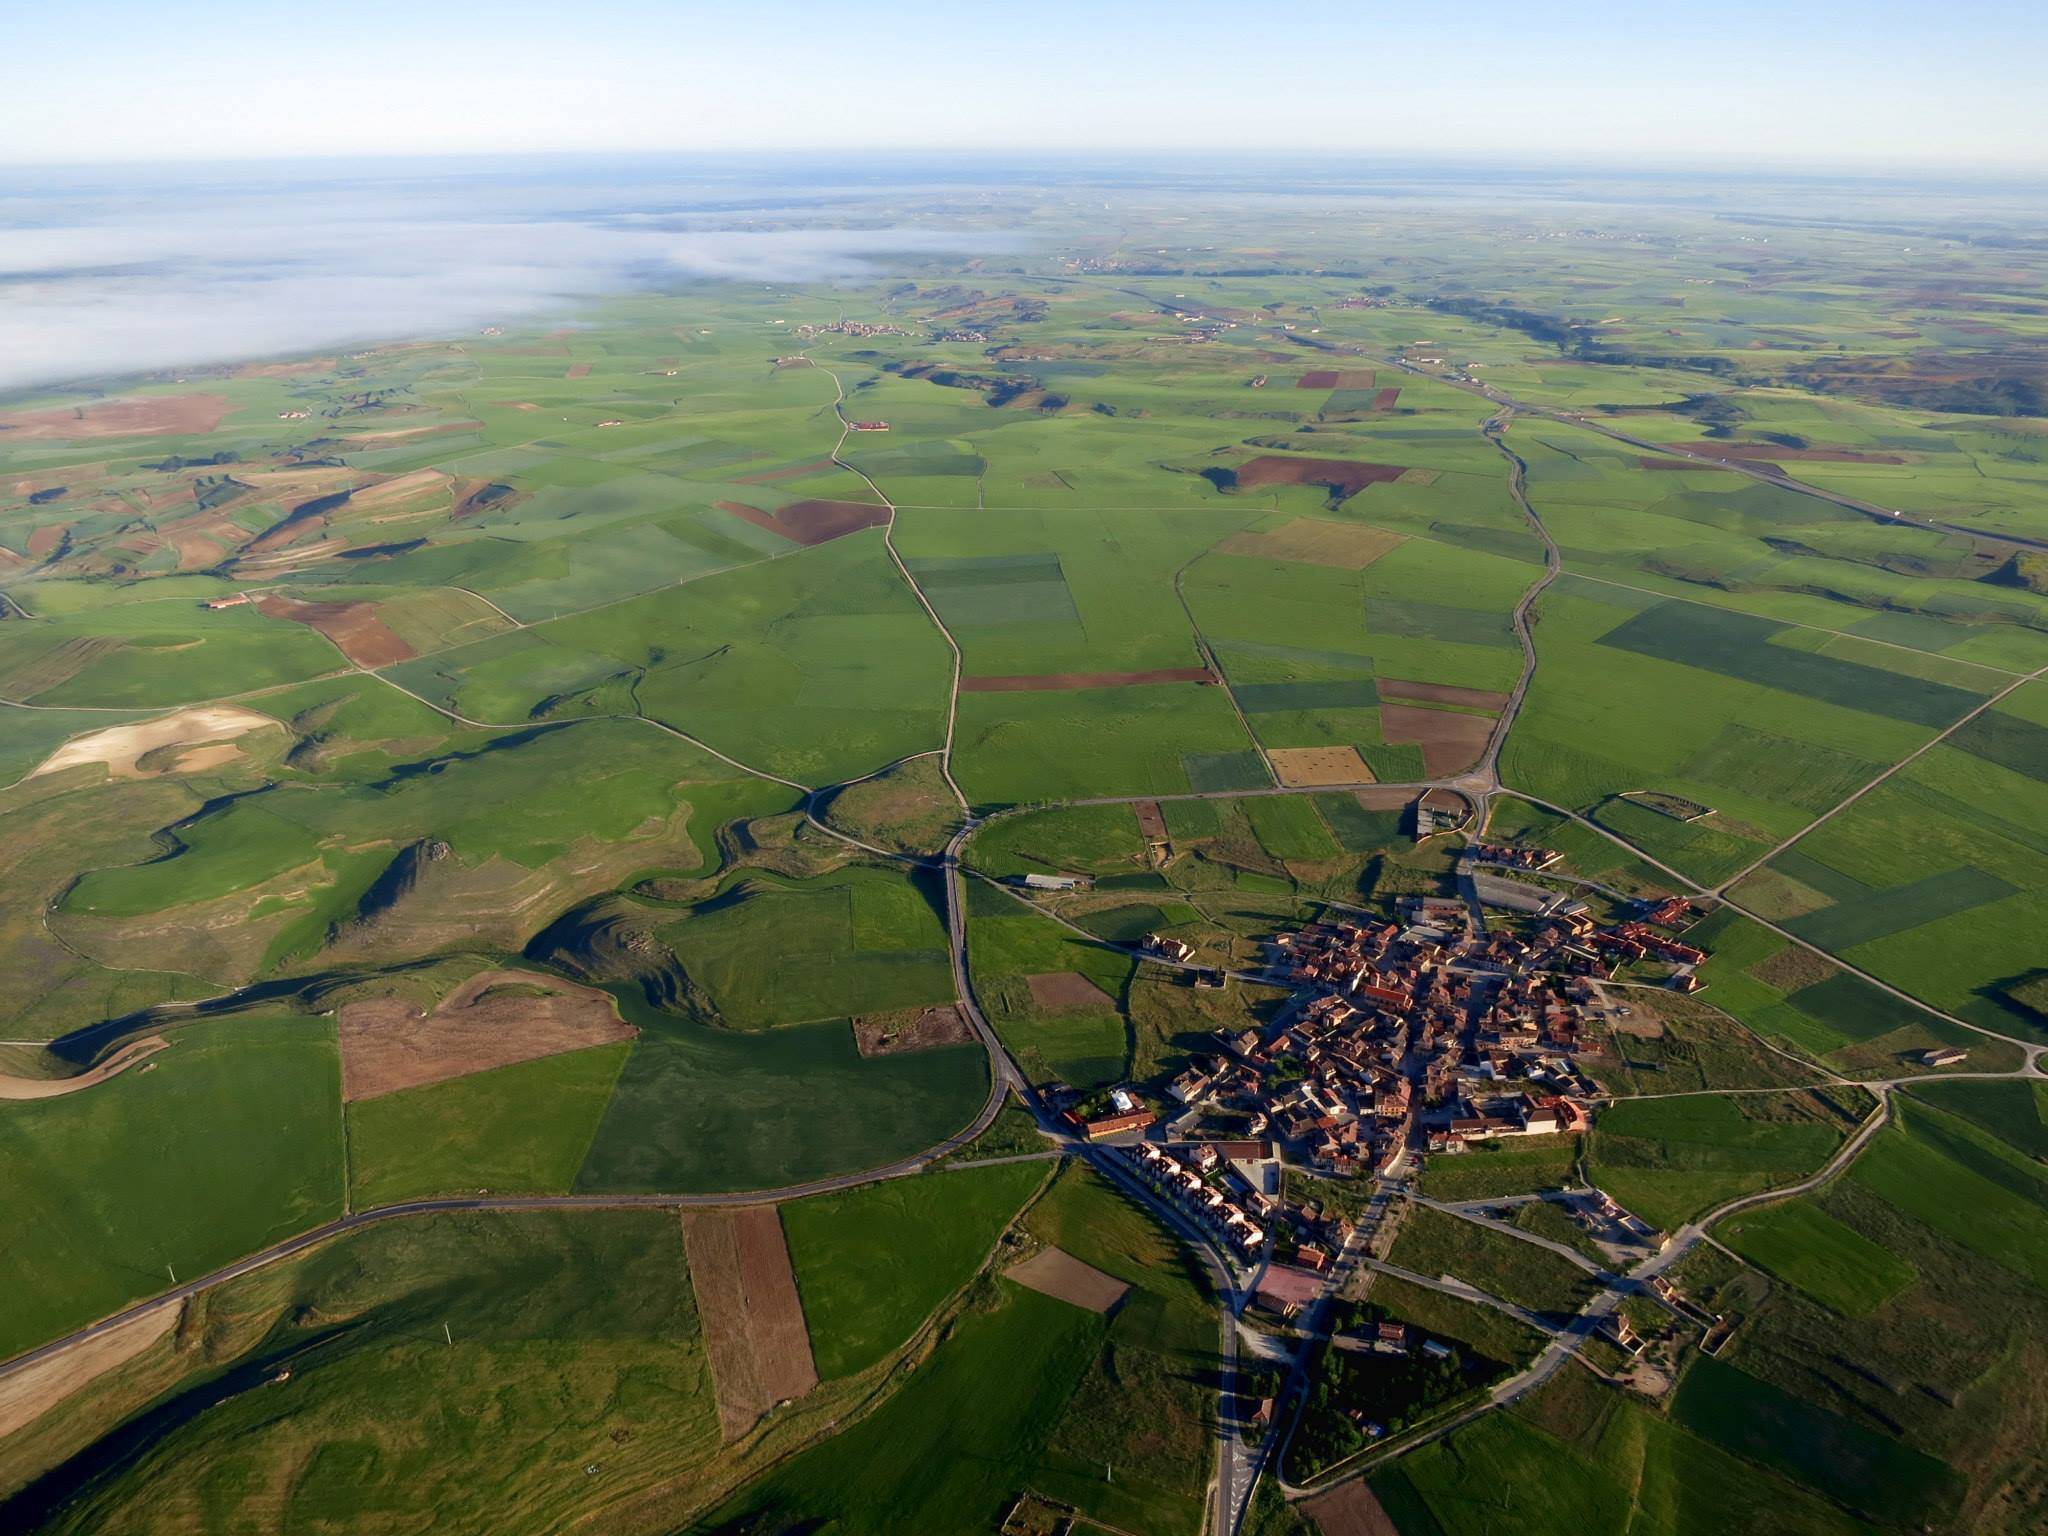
<point x="47" y="539"/>
<point x="891" y="1034"/>
<point x="1450" y="743"/>
<point x="1349" y="1509"/>
<point x="811" y="522"/>
<point x="1342" y="478"/>
<point x="354" y="628"/>
<point x="1298" y="767"/>
<point x="1316" y="541"/>
<point x="1057" y="1273"/>
<point x="155" y="417"/>
<point x="753" y="1319"/>
<point x="1061" y="682"/>
<point x="1385" y="399"/>
<point x="1151" y="820"/>
<point x="33" y="1391"/>
<point x="578" y="371"/>
<point x="21" y="1088"/>
<point x="1337" y="378"/>
<point x="121" y="747"/>
<point x="1057" y="990"/>
<point x="1442" y="693"/>
<point x="493" y="1019"/>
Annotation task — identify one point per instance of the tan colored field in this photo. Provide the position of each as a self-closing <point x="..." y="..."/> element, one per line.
<point x="1299" y="767"/>
<point x="493" y="1019"/>
<point x="1450" y="742"/>
<point x="33" y="1391"/>
<point x="1316" y="541"/>
<point x="23" y="1088"/>
<point x="399" y="488"/>
<point x="753" y="1320"/>
<point x="155" y="417"/>
<point x="1056" y="990"/>
<point x="1151" y="820"/>
<point x="1057" y="1273"/>
<point x="1392" y="798"/>
<point x="122" y="747"/>
<point x="891" y="1034"/>
<point x="578" y="371"/>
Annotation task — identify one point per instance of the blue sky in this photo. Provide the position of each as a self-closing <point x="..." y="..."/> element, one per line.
<point x="1815" y="82"/>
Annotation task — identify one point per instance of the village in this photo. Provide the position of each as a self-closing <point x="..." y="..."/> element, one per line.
<point x="1401" y="1039"/>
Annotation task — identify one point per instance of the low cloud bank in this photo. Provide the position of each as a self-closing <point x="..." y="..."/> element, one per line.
<point x="105" y="280"/>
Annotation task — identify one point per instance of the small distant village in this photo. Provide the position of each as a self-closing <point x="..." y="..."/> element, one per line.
<point x="1400" y="1039"/>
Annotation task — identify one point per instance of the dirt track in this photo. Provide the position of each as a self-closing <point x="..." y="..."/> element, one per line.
<point x="23" y="1088"/>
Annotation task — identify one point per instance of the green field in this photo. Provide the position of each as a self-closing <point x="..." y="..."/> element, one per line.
<point x="225" y="1143"/>
<point x="522" y="1129"/>
<point x="873" y="1263"/>
<point x="1833" y="1263"/>
<point x="1668" y="1160"/>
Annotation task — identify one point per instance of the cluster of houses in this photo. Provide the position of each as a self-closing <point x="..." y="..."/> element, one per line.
<point x="964" y="335"/>
<point x="1180" y="1177"/>
<point x="848" y="328"/>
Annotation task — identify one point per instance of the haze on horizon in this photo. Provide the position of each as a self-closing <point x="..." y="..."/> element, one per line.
<point x="1876" y="85"/>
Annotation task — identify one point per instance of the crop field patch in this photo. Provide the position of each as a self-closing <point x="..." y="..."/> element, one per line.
<point x="811" y="522"/>
<point x="1882" y="913"/>
<point x="1277" y="698"/>
<point x="1418" y="619"/>
<point x="1342" y="478"/>
<point x="1316" y="541"/>
<point x="1064" y="682"/>
<point x="752" y="1318"/>
<point x="1057" y="1273"/>
<point x="891" y="1034"/>
<point x="1737" y="645"/>
<point x="1852" y="1007"/>
<point x="157" y="416"/>
<point x="998" y="591"/>
<point x="1451" y="742"/>
<point x="1833" y="1263"/>
<point x="1337" y="378"/>
<point x="1064" y="991"/>
<point x="1769" y="767"/>
<point x="2006" y="740"/>
<point x="1210" y="771"/>
<point x="1303" y="767"/>
<point x="356" y="630"/>
<point x="1443" y="693"/>
<point x="493" y="1019"/>
<point x="123" y="748"/>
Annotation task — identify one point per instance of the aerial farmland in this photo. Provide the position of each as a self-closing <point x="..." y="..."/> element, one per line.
<point x="1197" y="876"/>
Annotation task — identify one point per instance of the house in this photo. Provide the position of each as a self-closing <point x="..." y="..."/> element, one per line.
<point x="1436" y="1349"/>
<point x="870" y="426"/>
<point x="1394" y="1335"/>
<point x="1944" y="1056"/>
<point x="229" y="602"/>
<point x="1287" y="1290"/>
<point x="1171" y="949"/>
